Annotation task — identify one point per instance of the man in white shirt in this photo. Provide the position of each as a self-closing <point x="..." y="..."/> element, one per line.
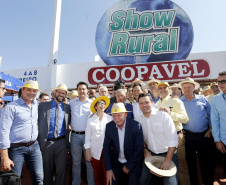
<point x="160" y="138"/>
<point x="80" y="112"/>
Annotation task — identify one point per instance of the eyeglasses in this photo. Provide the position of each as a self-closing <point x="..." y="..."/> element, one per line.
<point x="63" y="93"/>
<point x="222" y="82"/>
<point x="3" y="88"/>
<point x="101" y="103"/>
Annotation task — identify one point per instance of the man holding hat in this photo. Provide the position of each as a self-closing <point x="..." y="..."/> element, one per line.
<point x="19" y="132"/>
<point x="215" y="90"/>
<point x="123" y="147"/>
<point x="160" y="139"/>
<point x="175" y="108"/>
<point x="53" y="124"/>
<point x="153" y="86"/>
<point x="197" y="131"/>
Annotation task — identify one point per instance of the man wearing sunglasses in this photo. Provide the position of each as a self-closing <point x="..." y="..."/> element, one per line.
<point x="218" y="118"/>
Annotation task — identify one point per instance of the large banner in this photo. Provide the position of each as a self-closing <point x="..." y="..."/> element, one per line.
<point x="142" y="31"/>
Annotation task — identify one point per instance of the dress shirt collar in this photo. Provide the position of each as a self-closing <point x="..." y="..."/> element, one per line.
<point x="123" y="125"/>
<point x="153" y="112"/>
<point x="54" y="103"/>
<point x="197" y="97"/>
<point x="165" y="99"/>
<point x="21" y="101"/>
<point x="86" y="100"/>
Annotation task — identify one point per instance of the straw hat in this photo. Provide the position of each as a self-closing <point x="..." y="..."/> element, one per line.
<point x="206" y="88"/>
<point x="154" y="163"/>
<point x="175" y="85"/>
<point x="163" y="83"/>
<point x="74" y="93"/>
<point x="152" y="80"/>
<point x="62" y="87"/>
<point x="30" y="84"/>
<point x="189" y="80"/>
<point x="137" y="80"/>
<point x="105" y="98"/>
<point x="213" y="84"/>
<point x="118" y="108"/>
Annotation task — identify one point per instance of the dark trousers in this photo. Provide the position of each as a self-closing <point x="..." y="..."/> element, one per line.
<point x="55" y="156"/>
<point x="131" y="179"/>
<point x="204" y="147"/>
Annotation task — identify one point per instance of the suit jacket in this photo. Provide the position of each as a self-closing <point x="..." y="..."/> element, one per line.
<point x="44" y="122"/>
<point x="133" y="145"/>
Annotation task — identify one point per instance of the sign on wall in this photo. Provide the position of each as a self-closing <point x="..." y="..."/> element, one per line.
<point x="160" y="70"/>
<point x="143" y="31"/>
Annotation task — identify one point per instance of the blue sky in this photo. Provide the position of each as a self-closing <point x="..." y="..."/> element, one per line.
<point x="26" y="28"/>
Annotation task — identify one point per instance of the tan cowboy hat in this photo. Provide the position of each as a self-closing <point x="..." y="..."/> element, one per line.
<point x="175" y="85"/>
<point x="30" y="84"/>
<point x="137" y="80"/>
<point x="189" y="80"/>
<point x="105" y="98"/>
<point x="62" y="87"/>
<point x="154" y="163"/>
<point x="118" y="108"/>
<point x="74" y="93"/>
<point x="213" y="84"/>
<point x="152" y="80"/>
<point x="206" y="88"/>
<point x="163" y="83"/>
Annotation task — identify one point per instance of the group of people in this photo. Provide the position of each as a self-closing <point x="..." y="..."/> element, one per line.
<point x="115" y="134"/>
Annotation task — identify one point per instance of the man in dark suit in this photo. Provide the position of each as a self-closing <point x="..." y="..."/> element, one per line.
<point x="123" y="147"/>
<point x="53" y="120"/>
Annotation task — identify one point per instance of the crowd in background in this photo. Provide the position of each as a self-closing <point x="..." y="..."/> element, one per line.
<point x="116" y="132"/>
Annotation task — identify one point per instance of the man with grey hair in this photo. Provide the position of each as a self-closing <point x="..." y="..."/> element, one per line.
<point x="103" y="91"/>
<point x="121" y="98"/>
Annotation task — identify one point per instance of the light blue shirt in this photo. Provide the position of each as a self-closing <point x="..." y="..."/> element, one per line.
<point x="80" y="112"/>
<point x="18" y="123"/>
<point x="121" y="137"/>
<point x="61" y="124"/>
<point x="153" y="98"/>
<point x="198" y="111"/>
<point x="218" y="117"/>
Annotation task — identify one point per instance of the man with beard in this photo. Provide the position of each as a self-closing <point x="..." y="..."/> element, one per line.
<point x="53" y="120"/>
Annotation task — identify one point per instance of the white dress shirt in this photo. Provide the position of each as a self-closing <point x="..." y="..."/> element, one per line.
<point x="121" y="137"/>
<point x="159" y="131"/>
<point x="95" y="132"/>
<point x="136" y="110"/>
<point x="80" y="112"/>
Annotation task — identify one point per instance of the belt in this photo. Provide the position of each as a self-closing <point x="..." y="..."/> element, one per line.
<point x="23" y="144"/>
<point x="80" y="133"/>
<point x="56" y="139"/>
<point x="194" y="133"/>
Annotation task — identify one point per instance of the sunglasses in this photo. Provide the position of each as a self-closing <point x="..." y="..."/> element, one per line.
<point x="222" y="82"/>
<point x="3" y="88"/>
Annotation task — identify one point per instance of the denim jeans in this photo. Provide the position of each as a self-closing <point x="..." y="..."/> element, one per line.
<point x="77" y="145"/>
<point x="146" y="175"/>
<point x="33" y="157"/>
